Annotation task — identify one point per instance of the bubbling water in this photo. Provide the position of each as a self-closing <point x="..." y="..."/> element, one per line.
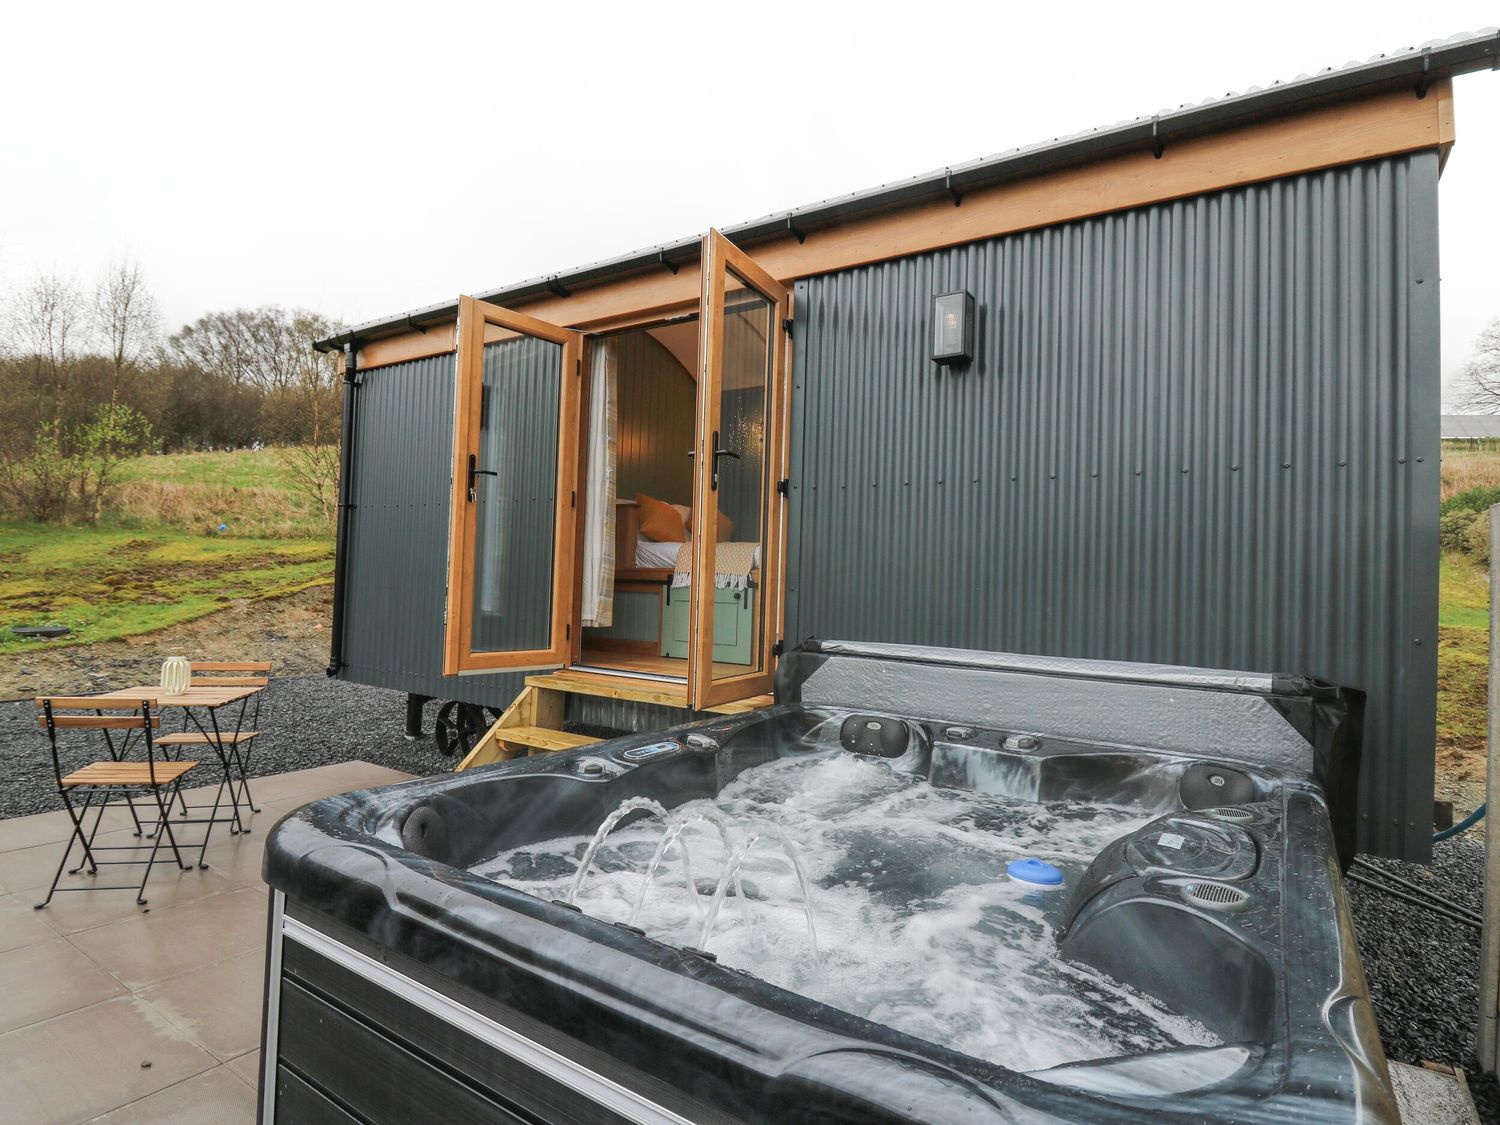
<point x="919" y="927"/>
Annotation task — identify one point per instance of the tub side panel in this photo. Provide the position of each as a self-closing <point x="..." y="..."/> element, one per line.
<point x="1201" y="433"/>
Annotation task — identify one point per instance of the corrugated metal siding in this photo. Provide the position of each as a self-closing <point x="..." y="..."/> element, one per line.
<point x="1204" y="432"/>
<point x="516" y="514"/>
<point x="397" y="559"/>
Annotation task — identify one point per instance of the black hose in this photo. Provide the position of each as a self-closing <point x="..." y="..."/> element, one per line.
<point x="1425" y="904"/>
<point x="1417" y="888"/>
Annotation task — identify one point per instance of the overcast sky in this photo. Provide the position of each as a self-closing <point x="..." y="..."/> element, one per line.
<point x="364" y="159"/>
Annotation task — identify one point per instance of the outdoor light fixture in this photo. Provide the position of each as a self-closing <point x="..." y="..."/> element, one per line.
<point x="953" y="327"/>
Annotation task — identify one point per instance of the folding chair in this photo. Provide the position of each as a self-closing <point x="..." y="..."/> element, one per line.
<point x="105" y="780"/>
<point x="238" y="743"/>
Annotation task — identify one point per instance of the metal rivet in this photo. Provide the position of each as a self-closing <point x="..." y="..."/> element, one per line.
<point x="1401" y="460"/>
<point x="1234" y="468"/>
<point x="1417" y="641"/>
<point x="1286" y="464"/>
<point x="1343" y="463"/>
<point x="1419" y="460"/>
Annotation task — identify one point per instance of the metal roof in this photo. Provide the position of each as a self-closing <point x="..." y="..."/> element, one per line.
<point x="1412" y="66"/>
<point x="1470" y="427"/>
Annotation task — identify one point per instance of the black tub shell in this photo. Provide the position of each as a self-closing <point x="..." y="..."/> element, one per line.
<point x="401" y="986"/>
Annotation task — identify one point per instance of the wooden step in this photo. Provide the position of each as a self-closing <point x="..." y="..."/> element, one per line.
<point x="541" y="738"/>
<point x="636" y="691"/>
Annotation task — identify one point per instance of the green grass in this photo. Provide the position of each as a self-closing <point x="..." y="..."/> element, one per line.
<point x="251" y="494"/>
<point x="1463" y="593"/>
<point x="1463" y="654"/>
<point x="110" y="582"/>
<point x="242" y="468"/>
<point x="159" y="558"/>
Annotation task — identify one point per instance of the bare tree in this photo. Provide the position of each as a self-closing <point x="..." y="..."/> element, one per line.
<point x="269" y="347"/>
<point x="43" y="323"/>
<point x="125" y="319"/>
<point x="1479" y="382"/>
<point x="125" y="322"/>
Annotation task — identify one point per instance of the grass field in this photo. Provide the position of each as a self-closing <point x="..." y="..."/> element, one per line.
<point x="105" y="583"/>
<point x="251" y="493"/>
<point x="190" y="534"/>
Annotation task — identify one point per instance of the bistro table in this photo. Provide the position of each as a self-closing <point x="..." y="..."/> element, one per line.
<point x="200" y="706"/>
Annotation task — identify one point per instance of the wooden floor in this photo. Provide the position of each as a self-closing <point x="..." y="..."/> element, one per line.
<point x="653" y="665"/>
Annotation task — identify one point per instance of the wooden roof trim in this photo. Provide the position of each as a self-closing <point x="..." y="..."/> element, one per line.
<point x="1383" y="125"/>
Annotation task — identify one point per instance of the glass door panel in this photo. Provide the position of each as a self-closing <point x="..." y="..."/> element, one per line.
<point x="511" y="545"/>
<point x="738" y="512"/>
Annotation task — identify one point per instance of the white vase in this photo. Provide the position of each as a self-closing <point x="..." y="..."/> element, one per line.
<point x="176" y="675"/>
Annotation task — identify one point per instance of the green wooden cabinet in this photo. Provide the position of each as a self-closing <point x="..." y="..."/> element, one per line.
<point x="734" y="624"/>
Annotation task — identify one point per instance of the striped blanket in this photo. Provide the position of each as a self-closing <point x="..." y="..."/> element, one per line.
<point x="733" y="563"/>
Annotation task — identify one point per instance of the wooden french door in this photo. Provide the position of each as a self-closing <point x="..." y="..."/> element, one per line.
<point x="515" y="468"/>
<point x="739" y="511"/>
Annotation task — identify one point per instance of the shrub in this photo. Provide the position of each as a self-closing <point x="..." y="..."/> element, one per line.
<point x="1476" y="498"/>
<point x="1478" y="538"/>
<point x="1453" y="528"/>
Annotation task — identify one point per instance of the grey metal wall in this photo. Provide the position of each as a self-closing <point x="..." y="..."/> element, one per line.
<point x="1204" y="432"/>
<point x="397" y="558"/>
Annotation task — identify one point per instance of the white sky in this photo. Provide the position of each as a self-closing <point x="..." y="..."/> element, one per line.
<point x="364" y="159"/>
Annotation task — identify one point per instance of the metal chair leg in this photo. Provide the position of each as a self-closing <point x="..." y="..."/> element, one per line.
<point x="166" y="822"/>
<point x="77" y="834"/>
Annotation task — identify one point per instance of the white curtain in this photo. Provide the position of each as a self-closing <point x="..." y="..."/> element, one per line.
<point x="599" y="489"/>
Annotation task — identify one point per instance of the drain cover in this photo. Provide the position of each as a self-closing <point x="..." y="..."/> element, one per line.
<point x="1215" y="896"/>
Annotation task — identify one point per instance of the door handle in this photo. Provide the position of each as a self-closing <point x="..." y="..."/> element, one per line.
<point x="476" y="471"/>
<point x="718" y="452"/>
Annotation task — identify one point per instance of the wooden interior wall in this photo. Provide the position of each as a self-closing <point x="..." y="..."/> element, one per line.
<point x="655" y="422"/>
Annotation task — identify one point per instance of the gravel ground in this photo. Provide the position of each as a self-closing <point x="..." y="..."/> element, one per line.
<point x="308" y="721"/>
<point x="1422" y="969"/>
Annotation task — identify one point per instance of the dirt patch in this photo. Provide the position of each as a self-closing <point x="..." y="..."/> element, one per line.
<point x="290" y="632"/>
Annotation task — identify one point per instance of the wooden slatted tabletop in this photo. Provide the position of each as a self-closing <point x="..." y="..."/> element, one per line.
<point x="210" y="697"/>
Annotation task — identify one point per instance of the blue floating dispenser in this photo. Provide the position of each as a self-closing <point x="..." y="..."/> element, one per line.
<point x="1034" y="872"/>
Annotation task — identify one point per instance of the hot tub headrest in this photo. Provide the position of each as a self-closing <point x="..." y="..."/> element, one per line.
<point x="1291" y="726"/>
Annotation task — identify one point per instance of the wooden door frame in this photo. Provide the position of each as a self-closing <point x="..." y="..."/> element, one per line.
<point x="475" y="318"/>
<point x="720" y="257"/>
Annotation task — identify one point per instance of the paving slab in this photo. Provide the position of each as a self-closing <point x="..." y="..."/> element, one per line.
<point x="152" y="947"/>
<point x="94" y="985"/>
<point x="20" y="924"/>
<point x="77" y="1066"/>
<point x="49" y="979"/>
<point x="217" y="1004"/>
<point x="216" y="1096"/>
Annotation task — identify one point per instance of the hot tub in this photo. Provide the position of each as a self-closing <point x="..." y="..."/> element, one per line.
<point x="927" y="885"/>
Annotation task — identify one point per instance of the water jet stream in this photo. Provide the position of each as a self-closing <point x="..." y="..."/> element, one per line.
<point x="625" y="808"/>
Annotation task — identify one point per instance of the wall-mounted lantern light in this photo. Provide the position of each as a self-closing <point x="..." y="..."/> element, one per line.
<point x="953" y="328"/>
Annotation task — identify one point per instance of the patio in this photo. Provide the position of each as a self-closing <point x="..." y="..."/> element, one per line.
<point x="113" y="1013"/>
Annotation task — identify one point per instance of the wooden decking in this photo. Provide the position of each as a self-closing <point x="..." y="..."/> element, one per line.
<point x="533" y="723"/>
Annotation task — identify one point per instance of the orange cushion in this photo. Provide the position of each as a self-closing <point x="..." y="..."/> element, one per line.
<point x="725" y="528"/>
<point x="659" y="520"/>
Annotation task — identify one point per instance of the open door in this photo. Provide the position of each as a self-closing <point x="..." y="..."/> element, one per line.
<point x="511" y="539"/>
<point x="739" y="511"/>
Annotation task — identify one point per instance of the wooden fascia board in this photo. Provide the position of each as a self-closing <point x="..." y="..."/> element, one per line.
<point x="1386" y="124"/>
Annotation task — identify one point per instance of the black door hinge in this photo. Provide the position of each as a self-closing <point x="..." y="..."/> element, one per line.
<point x="778" y="648"/>
<point x="786" y="326"/>
<point x="573" y="499"/>
<point x="784" y="486"/>
<point x="567" y="632"/>
<point x="578" y="367"/>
